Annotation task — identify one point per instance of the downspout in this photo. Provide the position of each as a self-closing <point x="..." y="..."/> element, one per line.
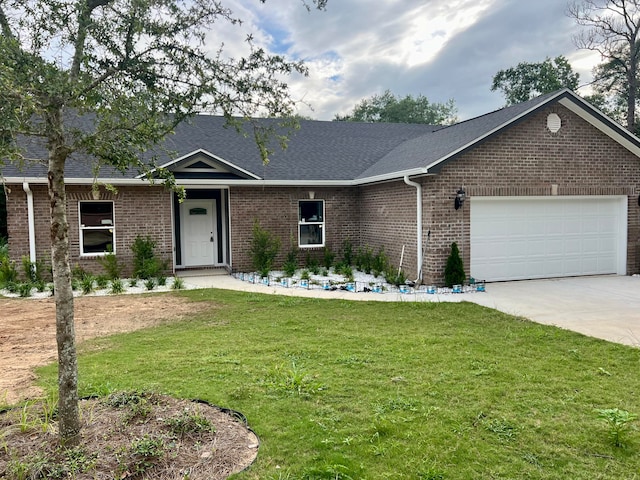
<point x="419" y="252"/>
<point x="32" y="223"/>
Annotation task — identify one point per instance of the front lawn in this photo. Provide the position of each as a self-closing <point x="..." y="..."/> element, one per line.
<point x="374" y="390"/>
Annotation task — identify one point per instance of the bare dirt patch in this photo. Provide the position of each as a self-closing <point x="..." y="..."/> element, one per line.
<point x="27" y="340"/>
<point x="28" y="333"/>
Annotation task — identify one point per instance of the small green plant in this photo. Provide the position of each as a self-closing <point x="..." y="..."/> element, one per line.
<point x="454" y="269"/>
<point x="264" y="249"/>
<point x="291" y="261"/>
<point x="111" y="266"/>
<point x="102" y="282"/>
<point x="618" y="421"/>
<point x="305" y="275"/>
<point x="294" y="380"/>
<point x="73" y="461"/>
<point x="32" y="270"/>
<point x="8" y="272"/>
<point x="25" y="288"/>
<point x="347" y="272"/>
<point x="328" y="258"/>
<point x="380" y="263"/>
<point x="311" y="263"/>
<point x="133" y="282"/>
<point x="395" y="277"/>
<point x="178" y="283"/>
<point x="150" y="284"/>
<point x="144" y="453"/>
<point x="86" y="283"/>
<point x="364" y="259"/>
<point x="40" y="285"/>
<point x="189" y="422"/>
<point x="126" y="397"/>
<point x="347" y="252"/>
<point x="117" y="286"/>
<point x="78" y="272"/>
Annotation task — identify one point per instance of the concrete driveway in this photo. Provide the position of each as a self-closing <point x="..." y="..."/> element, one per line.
<point x="606" y="307"/>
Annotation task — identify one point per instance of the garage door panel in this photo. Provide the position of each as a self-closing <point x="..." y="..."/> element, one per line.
<point x="544" y="237"/>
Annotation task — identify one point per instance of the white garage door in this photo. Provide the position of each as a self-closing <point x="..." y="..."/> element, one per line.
<point x="516" y="238"/>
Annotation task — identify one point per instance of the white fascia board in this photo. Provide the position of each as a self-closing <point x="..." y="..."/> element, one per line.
<point x="264" y="183"/>
<point x="201" y="151"/>
<point x="608" y="127"/>
<point x="80" y="181"/>
<point x="392" y="176"/>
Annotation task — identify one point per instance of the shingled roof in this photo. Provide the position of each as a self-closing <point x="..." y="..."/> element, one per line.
<point x="346" y="153"/>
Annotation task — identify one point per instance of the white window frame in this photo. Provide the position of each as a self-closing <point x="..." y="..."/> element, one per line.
<point x="305" y="222"/>
<point x="83" y="228"/>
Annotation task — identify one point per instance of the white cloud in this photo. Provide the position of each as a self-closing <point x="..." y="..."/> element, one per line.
<point x="439" y="48"/>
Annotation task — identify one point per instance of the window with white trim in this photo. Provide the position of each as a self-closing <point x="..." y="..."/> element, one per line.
<point x="97" y="228"/>
<point x="311" y="223"/>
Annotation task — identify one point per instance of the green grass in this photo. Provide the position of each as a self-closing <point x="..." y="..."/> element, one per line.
<point x="355" y="390"/>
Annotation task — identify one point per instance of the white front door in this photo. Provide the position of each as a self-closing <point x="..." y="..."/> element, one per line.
<point x="199" y="242"/>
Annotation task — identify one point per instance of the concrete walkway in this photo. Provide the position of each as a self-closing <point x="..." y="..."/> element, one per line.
<point x="606" y="307"/>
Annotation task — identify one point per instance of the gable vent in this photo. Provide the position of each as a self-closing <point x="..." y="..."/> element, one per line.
<point x="554" y="122"/>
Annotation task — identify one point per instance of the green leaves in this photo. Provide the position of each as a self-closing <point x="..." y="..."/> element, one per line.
<point x="391" y="109"/>
<point x="528" y="80"/>
<point x="618" y="421"/>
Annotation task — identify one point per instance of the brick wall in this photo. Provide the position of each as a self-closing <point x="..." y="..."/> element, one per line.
<point x="527" y="159"/>
<point x="140" y="211"/>
<point x="388" y="219"/>
<point x="276" y="209"/>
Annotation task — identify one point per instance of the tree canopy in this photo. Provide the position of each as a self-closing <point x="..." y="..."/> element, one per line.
<point x="611" y="28"/>
<point x="134" y="69"/>
<point x="529" y="80"/>
<point x="392" y="109"/>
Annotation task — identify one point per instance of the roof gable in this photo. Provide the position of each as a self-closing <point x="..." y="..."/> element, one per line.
<point x="427" y="154"/>
<point x="201" y="164"/>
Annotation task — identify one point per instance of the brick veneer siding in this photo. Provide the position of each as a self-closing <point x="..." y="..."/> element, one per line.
<point x="144" y="211"/>
<point x="388" y="219"/>
<point x="276" y="209"/>
<point x="526" y="160"/>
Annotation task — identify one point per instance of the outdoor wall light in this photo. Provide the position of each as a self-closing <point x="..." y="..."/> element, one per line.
<point x="460" y="197"/>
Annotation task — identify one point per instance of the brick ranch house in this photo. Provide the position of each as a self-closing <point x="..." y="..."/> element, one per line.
<point x="546" y="188"/>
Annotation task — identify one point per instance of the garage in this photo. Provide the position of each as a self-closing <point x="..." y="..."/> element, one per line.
<point x="518" y="238"/>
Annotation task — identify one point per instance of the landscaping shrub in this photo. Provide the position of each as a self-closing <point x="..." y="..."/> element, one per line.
<point x="111" y="266"/>
<point x="32" y="270"/>
<point x="347" y="252"/>
<point x="328" y="258"/>
<point x="8" y="272"/>
<point x="454" y="269"/>
<point x="312" y="264"/>
<point x="395" y="277"/>
<point x="291" y="260"/>
<point x="145" y="263"/>
<point x="380" y="263"/>
<point x="264" y="249"/>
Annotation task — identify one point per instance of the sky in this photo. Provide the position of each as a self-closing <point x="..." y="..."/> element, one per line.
<point x="442" y="49"/>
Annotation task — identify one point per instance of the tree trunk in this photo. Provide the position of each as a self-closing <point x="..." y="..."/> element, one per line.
<point x="632" y="82"/>
<point x="68" y="414"/>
